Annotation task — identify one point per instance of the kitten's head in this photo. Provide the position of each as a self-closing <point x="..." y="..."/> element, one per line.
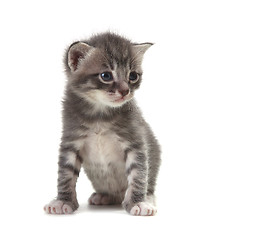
<point x="106" y="70"/>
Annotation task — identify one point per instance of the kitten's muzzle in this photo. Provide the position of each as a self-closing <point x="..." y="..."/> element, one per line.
<point x="124" y="92"/>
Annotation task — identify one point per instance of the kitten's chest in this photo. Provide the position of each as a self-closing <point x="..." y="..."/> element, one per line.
<point x="102" y="146"/>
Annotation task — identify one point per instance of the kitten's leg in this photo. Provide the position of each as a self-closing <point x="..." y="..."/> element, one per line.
<point x="69" y="168"/>
<point x="135" y="201"/>
<point x="103" y="199"/>
<point x="100" y="199"/>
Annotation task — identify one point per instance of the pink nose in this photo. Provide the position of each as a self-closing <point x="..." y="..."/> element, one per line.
<point x="124" y="92"/>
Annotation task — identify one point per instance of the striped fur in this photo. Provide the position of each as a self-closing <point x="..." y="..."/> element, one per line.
<point x="103" y="131"/>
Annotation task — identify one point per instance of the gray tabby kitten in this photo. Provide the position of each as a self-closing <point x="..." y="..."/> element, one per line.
<point x="103" y="129"/>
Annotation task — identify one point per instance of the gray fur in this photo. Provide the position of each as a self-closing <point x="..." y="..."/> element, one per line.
<point x="112" y="142"/>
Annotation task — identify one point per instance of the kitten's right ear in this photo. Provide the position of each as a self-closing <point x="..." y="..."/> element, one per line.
<point x="77" y="52"/>
<point x="139" y="50"/>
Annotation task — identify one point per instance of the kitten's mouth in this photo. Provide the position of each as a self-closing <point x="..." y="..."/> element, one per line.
<point x="121" y="99"/>
<point x="116" y="99"/>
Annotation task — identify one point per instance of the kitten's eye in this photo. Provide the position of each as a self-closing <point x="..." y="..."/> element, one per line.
<point x="133" y="76"/>
<point x="106" y="76"/>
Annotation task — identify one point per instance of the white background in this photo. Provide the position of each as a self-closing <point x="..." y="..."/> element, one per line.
<point x="209" y="93"/>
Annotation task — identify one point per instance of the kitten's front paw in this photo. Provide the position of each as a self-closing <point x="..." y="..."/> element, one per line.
<point x="59" y="207"/>
<point x="141" y="209"/>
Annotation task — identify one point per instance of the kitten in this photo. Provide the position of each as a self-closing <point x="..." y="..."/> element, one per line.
<point x="103" y="129"/>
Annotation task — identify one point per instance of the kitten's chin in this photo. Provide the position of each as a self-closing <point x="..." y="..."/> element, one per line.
<point x="117" y="102"/>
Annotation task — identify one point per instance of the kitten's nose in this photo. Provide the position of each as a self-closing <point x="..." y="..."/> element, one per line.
<point x="124" y="92"/>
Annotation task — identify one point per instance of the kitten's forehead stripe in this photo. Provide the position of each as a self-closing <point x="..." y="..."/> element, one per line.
<point x="105" y="65"/>
<point x="117" y="49"/>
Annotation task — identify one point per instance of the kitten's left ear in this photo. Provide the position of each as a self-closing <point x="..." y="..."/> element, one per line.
<point x="77" y="52"/>
<point x="140" y="49"/>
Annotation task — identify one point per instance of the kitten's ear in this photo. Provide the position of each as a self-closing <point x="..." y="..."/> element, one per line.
<point x="140" y="49"/>
<point x="77" y="51"/>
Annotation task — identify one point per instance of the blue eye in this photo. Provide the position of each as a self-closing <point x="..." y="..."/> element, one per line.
<point x="133" y="76"/>
<point x="106" y="76"/>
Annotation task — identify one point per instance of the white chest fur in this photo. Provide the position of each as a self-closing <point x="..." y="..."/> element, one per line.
<point x="103" y="160"/>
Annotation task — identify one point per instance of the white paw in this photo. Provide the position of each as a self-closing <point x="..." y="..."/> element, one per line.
<point x="58" y="207"/>
<point x="143" y="209"/>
